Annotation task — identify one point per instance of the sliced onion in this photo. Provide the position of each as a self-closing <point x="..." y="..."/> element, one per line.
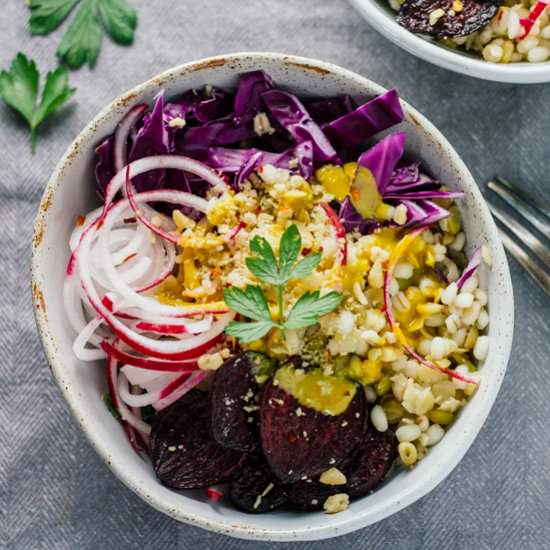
<point x="148" y="363"/>
<point x="149" y="224"/>
<point x="125" y="414"/>
<point x="162" y="162"/>
<point x="180" y="391"/>
<point x="145" y="399"/>
<point x="86" y="335"/>
<point x="122" y="132"/>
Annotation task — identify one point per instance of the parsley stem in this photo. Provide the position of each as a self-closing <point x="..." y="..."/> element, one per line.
<point x="280" y="301"/>
<point x="33" y="140"/>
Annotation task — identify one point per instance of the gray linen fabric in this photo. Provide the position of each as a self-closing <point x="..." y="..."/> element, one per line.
<point x="54" y="491"/>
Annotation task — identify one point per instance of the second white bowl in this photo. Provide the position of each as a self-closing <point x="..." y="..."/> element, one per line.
<point x="382" y="18"/>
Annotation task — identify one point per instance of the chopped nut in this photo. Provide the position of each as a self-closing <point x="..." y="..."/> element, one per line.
<point x="177" y="122"/>
<point x="210" y="361"/>
<point x="336" y="503"/>
<point x="333" y="476"/>
<point x="262" y="125"/>
<point x="435" y="16"/>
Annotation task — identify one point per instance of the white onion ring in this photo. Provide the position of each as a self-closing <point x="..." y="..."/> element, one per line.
<point x="121" y="135"/>
<point x="162" y="162"/>
<point x="193" y="381"/>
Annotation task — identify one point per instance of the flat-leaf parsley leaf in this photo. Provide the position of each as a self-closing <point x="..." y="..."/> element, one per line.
<point x="19" y="89"/>
<point x="82" y="40"/>
<point x="252" y="303"/>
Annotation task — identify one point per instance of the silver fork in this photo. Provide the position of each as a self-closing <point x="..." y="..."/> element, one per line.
<point x="534" y="255"/>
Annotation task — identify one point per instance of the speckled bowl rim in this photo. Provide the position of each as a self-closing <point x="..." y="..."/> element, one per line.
<point x="341" y="523"/>
<point x="383" y="21"/>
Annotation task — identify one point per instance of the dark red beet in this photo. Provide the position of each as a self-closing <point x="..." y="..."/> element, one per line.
<point x="414" y="15"/>
<point x="183" y="451"/>
<point x="255" y="489"/>
<point x="364" y="470"/>
<point x="370" y="462"/>
<point x="306" y="444"/>
<point x="312" y="495"/>
<point x="234" y="399"/>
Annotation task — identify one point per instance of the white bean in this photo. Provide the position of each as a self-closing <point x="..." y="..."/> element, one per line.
<point x="370" y="394"/>
<point x="424" y="346"/>
<point x="452" y="323"/>
<point x="526" y="44"/>
<point x="471" y="284"/>
<point x="423" y="422"/>
<point x="459" y="336"/>
<point x="481" y="296"/>
<point x="438" y="348"/>
<point x="538" y="54"/>
<point x="458" y="243"/>
<point x="379" y="419"/>
<point x="464" y="300"/>
<point x="449" y="294"/>
<point x="481" y="348"/>
<point x="408" y="433"/>
<point x="470" y="315"/>
<point x="403" y="271"/>
<point x="435" y="432"/>
<point x="482" y="320"/>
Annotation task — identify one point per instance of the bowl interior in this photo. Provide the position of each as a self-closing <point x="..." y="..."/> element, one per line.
<point x="71" y="192"/>
<point x="382" y="18"/>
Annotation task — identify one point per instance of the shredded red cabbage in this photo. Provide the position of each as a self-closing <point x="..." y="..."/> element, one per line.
<point x="358" y="126"/>
<point x="217" y="127"/>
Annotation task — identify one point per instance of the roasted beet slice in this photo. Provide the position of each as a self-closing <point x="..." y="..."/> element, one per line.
<point x="311" y="495"/>
<point x="255" y="489"/>
<point x="299" y="442"/>
<point x="370" y="462"/>
<point x="364" y="470"/>
<point x="414" y="15"/>
<point x="234" y="401"/>
<point x="183" y="451"/>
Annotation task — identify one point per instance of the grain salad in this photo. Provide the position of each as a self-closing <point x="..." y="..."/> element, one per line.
<point x="284" y="304"/>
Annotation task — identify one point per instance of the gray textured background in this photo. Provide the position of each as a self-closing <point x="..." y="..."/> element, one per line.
<point x="55" y="492"/>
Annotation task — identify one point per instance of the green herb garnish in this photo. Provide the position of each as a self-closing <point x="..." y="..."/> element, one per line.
<point x="82" y="40"/>
<point x="19" y="89"/>
<point x="108" y="400"/>
<point x="251" y="302"/>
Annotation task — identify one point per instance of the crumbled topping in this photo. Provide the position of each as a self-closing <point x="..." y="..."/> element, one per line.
<point x="336" y="503"/>
<point x="333" y="476"/>
<point x="262" y="125"/>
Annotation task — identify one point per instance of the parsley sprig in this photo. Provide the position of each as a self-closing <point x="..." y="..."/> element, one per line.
<point x="19" y="89"/>
<point x="252" y="303"/>
<point x="82" y="40"/>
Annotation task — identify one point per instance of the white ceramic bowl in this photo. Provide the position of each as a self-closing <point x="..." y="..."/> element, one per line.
<point x="382" y="18"/>
<point x="70" y="192"/>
